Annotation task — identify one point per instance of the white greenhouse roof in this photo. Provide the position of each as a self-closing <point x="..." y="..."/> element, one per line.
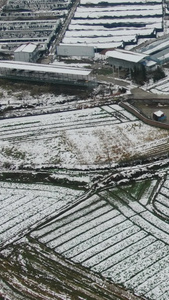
<point x="126" y="55"/>
<point x="43" y="68"/>
<point x="26" y="48"/>
<point x="158" y="47"/>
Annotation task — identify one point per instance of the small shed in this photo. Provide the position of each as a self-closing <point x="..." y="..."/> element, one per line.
<point x="159" y="115"/>
<point x="27" y="53"/>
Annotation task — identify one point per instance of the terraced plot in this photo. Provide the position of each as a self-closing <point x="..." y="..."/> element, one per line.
<point x="99" y="136"/>
<point x="160" y="87"/>
<point x="117" y="234"/>
<point x="24" y="206"/>
<point x="161" y="202"/>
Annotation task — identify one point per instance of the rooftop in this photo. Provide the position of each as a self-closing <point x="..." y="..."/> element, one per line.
<point x="126" y="55"/>
<point x="30" y="47"/>
<point x="16" y="65"/>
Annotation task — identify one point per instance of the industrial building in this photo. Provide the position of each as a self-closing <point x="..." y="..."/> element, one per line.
<point x="158" y="50"/>
<point x="125" y="59"/>
<point x="36" y="4"/>
<point x="16" y="33"/>
<point x="27" y="53"/>
<point x="75" y="50"/>
<point x="46" y="73"/>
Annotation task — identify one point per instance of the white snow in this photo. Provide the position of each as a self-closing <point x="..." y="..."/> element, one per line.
<point x="25" y="205"/>
<point x="81" y="138"/>
<point x="43" y="68"/>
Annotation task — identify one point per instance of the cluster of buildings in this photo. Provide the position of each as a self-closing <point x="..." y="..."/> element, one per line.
<point x="154" y="55"/>
<point x="36" y="4"/>
<point x="16" y="33"/>
<point x="29" y="28"/>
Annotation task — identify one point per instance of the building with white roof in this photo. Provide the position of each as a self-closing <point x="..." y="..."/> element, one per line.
<point x="158" y="50"/>
<point x="27" y="53"/>
<point x="125" y="59"/>
<point x="75" y="50"/>
<point x="159" y="115"/>
<point x="46" y="73"/>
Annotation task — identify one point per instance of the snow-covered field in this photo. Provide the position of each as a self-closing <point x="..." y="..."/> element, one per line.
<point x="117" y="235"/>
<point x="120" y="233"/>
<point x="116" y="232"/>
<point x="160" y="87"/>
<point x="23" y="206"/>
<point x="86" y="138"/>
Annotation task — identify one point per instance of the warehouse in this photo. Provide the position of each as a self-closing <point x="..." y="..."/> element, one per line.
<point x="125" y="59"/>
<point x="158" y="50"/>
<point x="46" y="73"/>
<point x="75" y="50"/>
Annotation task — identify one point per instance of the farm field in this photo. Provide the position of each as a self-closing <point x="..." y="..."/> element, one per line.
<point x="118" y="233"/>
<point x="114" y="227"/>
<point x="94" y="229"/>
<point x="118" y="236"/>
<point x="24" y="206"/>
<point x="89" y="138"/>
<point x="160" y="87"/>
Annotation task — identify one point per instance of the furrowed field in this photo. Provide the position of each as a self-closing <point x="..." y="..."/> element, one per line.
<point x="87" y="138"/>
<point x="112" y="229"/>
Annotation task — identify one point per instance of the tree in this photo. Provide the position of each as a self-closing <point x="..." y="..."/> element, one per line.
<point x="158" y="74"/>
<point x="138" y="74"/>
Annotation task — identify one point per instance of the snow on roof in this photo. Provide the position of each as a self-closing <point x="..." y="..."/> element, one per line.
<point x="43" y="68"/>
<point x="158" y="113"/>
<point x="159" y="47"/>
<point x="83" y="2"/>
<point x="151" y="63"/>
<point x="26" y="48"/>
<point x="74" y="45"/>
<point x="126" y="55"/>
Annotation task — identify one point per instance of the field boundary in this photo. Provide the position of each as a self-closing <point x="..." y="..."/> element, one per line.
<point x="129" y="107"/>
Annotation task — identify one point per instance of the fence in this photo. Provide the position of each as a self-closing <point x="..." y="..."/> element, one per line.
<point x="142" y="117"/>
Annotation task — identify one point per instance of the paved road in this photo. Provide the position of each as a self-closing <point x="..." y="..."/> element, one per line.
<point x="64" y="28"/>
<point x="139" y="93"/>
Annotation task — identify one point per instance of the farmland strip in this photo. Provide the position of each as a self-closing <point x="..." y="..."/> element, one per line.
<point x="106" y="244"/>
<point x="65" y="221"/>
<point x="89" y="233"/>
<point x="108" y="213"/>
<point x="64" y="229"/>
<point x="142" y="264"/>
<point x="125" y="248"/>
<point x="11" y="209"/>
<point x="157" y="277"/>
<point x="100" y="237"/>
<point x="150" y="228"/>
<point x="151" y="246"/>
